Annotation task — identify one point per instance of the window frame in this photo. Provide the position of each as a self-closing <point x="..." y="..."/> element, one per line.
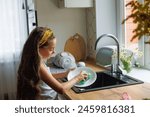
<point x="147" y="55"/>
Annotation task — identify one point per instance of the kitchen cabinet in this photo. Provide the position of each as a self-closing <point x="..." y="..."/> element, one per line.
<point x="75" y="3"/>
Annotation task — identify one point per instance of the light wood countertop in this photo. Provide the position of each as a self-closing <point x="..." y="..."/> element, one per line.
<point x="137" y="92"/>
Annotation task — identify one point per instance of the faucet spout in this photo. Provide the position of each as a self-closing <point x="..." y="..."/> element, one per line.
<point x="117" y="43"/>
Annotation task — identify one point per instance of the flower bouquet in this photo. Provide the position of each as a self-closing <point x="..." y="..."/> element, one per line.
<point x="126" y="60"/>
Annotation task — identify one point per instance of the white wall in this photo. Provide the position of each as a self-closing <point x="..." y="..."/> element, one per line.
<point x="64" y="22"/>
<point x="106" y="18"/>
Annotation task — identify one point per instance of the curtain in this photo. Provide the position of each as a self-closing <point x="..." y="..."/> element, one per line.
<point x="12" y="37"/>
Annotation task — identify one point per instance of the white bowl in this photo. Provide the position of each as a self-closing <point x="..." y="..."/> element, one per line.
<point x="75" y="72"/>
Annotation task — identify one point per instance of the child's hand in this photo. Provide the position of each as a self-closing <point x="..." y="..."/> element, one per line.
<point x="82" y="76"/>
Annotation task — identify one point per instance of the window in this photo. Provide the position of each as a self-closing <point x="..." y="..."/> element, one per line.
<point x="125" y="33"/>
<point x="129" y="27"/>
<point x="12" y="29"/>
<point x="147" y="55"/>
<point x="13" y="34"/>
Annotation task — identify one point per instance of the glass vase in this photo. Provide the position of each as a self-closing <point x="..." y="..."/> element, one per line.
<point x="127" y="65"/>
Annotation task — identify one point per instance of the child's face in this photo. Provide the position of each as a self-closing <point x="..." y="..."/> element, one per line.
<point x="48" y="51"/>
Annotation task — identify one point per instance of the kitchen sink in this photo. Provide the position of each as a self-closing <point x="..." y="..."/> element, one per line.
<point x="106" y="80"/>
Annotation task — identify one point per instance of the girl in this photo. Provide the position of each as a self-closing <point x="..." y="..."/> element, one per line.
<point x="34" y="79"/>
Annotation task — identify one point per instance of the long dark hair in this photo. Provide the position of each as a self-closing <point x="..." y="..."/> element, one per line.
<point x="28" y="72"/>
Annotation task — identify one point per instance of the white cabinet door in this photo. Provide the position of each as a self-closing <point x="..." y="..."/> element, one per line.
<point x="75" y="3"/>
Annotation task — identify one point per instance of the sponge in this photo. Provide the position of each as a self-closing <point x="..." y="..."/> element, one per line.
<point x="89" y="76"/>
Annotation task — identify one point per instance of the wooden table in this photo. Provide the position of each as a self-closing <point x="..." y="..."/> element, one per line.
<point x="137" y="92"/>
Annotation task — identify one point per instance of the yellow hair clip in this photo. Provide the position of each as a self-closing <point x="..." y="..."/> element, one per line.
<point x="45" y="37"/>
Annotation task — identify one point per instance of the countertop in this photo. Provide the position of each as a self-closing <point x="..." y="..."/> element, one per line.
<point x="136" y="92"/>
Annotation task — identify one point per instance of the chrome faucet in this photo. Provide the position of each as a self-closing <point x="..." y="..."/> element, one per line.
<point x="119" y="70"/>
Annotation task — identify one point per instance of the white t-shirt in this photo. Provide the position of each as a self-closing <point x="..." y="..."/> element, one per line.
<point x="47" y="93"/>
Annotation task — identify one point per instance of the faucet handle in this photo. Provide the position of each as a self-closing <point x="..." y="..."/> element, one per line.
<point x="120" y="70"/>
<point x="113" y="68"/>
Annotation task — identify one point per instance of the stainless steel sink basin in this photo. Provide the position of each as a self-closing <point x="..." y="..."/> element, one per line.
<point x="107" y="80"/>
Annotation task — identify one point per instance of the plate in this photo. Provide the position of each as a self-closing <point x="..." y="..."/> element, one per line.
<point x="86" y="83"/>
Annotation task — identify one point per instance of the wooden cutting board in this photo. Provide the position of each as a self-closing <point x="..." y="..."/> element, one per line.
<point x="76" y="46"/>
